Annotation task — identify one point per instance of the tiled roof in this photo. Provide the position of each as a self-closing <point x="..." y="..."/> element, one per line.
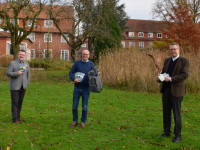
<point x="4" y="34"/>
<point x="144" y="25"/>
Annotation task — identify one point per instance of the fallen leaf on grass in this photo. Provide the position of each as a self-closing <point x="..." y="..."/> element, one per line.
<point x="31" y="144"/>
<point x="8" y="148"/>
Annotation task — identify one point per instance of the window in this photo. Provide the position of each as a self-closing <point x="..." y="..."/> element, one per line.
<point x="123" y="44"/>
<point x="131" y="34"/>
<point x="84" y="45"/>
<point x="32" y="53"/>
<point x="13" y="21"/>
<point x="20" y="33"/>
<point x="140" y="34"/>
<point x="0" y="20"/>
<point x="48" y="23"/>
<point x="150" y="35"/>
<point x="131" y="44"/>
<point x="141" y="45"/>
<point x="159" y="35"/>
<point x="31" y="36"/>
<point x="62" y="39"/>
<point x="65" y="54"/>
<point x="29" y="23"/>
<point x="47" y="53"/>
<point x="46" y="37"/>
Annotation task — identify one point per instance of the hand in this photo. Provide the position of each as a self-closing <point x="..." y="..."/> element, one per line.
<point x="77" y="80"/>
<point x="167" y="79"/>
<point x="20" y="72"/>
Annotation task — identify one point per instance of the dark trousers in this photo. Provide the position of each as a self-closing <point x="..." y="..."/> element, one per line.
<point x="171" y="103"/>
<point x="17" y="97"/>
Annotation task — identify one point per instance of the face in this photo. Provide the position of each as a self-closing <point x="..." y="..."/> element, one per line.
<point x="85" y="55"/>
<point x="21" y="55"/>
<point x="174" y="50"/>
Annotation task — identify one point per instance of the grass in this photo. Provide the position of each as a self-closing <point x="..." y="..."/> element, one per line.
<point x="116" y="120"/>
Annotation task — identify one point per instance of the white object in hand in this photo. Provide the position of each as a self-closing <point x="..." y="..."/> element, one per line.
<point x="163" y="76"/>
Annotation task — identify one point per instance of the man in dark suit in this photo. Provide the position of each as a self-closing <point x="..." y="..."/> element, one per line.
<point x="19" y="74"/>
<point x="173" y="89"/>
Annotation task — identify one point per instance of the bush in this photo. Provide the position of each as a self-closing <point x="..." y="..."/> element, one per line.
<point x="50" y="64"/>
<point x="5" y="60"/>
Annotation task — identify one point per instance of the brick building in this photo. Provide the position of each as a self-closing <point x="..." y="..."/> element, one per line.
<point x="142" y="33"/>
<point x="37" y="42"/>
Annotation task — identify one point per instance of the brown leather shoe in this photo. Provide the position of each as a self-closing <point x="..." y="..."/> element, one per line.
<point x="21" y="120"/>
<point x="17" y="122"/>
<point x="74" y="124"/>
<point x="82" y="125"/>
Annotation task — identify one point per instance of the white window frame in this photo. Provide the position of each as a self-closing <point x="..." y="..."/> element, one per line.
<point x="31" y="36"/>
<point x="131" y="34"/>
<point x="84" y="45"/>
<point x="12" y="21"/>
<point x="63" y="56"/>
<point x="29" y="23"/>
<point x="63" y="40"/>
<point x="44" y="53"/>
<point x="150" y="35"/>
<point x="131" y="44"/>
<point x="32" y="56"/>
<point x="141" y="45"/>
<point x="123" y="44"/>
<point x="159" y="35"/>
<point x="46" y="38"/>
<point x="48" y="23"/>
<point x="140" y="34"/>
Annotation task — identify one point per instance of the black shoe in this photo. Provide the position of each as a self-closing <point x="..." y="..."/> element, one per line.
<point x="164" y="135"/>
<point x="176" y="139"/>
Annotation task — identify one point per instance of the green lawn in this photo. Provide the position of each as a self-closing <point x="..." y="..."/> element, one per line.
<point x="116" y="120"/>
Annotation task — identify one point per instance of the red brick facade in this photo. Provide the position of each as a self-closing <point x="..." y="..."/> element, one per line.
<point x="142" y="33"/>
<point x="36" y="45"/>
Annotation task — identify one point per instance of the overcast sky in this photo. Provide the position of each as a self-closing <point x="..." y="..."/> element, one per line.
<point x="138" y="9"/>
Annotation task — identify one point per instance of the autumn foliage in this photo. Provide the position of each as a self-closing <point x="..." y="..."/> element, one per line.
<point x="181" y="27"/>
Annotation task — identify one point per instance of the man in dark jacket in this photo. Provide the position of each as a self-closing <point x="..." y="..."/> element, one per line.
<point x="173" y="89"/>
<point x="79" y="74"/>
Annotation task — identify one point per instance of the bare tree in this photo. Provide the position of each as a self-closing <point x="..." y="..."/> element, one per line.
<point x="13" y="11"/>
<point x="163" y="8"/>
<point x="76" y="13"/>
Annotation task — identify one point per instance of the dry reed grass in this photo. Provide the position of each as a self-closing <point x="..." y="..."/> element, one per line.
<point x="132" y="69"/>
<point x="5" y="60"/>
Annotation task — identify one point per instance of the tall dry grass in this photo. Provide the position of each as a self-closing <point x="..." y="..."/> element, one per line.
<point x="132" y="69"/>
<point x="5" y="60"/>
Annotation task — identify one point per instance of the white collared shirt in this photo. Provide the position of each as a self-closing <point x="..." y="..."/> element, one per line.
<point x="174" y="58"/>
<point x="85" y="61"/>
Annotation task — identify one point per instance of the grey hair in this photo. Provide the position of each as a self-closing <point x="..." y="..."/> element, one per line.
<point x="174" y="43"/>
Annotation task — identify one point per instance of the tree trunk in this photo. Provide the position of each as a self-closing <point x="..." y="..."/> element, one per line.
<point x="15" y="50"/>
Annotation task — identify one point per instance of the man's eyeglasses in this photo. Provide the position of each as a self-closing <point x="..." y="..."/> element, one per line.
<point x="173" y="49"/>
<point x="85" y="54"/>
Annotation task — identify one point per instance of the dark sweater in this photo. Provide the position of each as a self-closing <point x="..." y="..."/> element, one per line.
<point x="170" y="71"/>
<point x="83" y="67"/>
